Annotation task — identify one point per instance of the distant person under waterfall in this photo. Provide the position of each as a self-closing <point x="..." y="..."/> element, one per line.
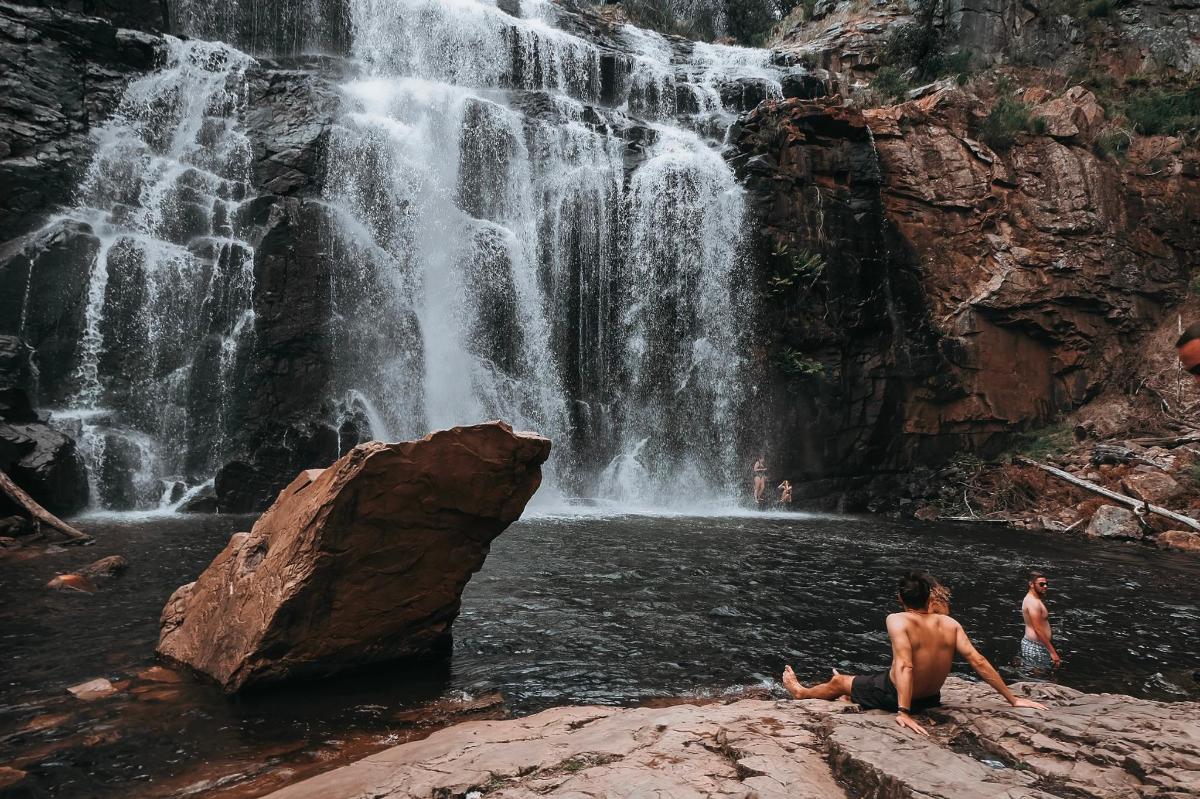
<point x="1037" y="646"/>
<point x="785" y="493"/>
<point x="923" y="646"/>
<point x="760" y="480"/>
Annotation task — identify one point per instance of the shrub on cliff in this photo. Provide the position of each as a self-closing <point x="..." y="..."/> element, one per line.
<point x="1163" y="111"/>
<point x="923" y="47"/>
<point x="1008" y="117"/>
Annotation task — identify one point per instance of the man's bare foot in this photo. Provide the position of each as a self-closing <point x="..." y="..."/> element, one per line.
<point x="792" y="685"/>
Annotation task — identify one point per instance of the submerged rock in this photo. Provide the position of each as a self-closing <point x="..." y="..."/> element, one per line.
<point x="359" y="563"/>
<point x="1094" y="745"/>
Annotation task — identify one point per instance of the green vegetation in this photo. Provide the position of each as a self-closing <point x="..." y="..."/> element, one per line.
<point x="889" y="83"/>
<point x="1155" y="111"/>
<point x="1098" y="8"/>
<point x="1112" y="143"/>
<point x="801" y="267"/>
<point x="747" y="21"/>
<point x="1008" y="117"/>
<point x="922" y="47"/>
<point x="795" y="363"/>
<point x="1046" y="442"/>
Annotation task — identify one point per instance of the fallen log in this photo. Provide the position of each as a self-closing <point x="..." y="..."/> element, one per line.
<point x="39" y="514"/>
<point x="1136" y="505"/>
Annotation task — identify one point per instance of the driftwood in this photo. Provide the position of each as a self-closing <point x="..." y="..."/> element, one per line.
<point x="975" y="519"/>
<point x="1167" y="442"/>
<point x="40" y="515"/>
<point x="1136" y="505"/>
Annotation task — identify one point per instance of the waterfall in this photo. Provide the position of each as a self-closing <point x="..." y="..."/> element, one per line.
<point x="168" y="300"/>
<point x="520" y="270"/>
<point x="526" y="224"/>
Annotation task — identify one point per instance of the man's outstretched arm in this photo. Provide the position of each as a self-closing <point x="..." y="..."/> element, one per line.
<point x="987" y="672"/>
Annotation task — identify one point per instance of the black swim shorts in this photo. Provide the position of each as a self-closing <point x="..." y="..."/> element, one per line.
<point x="876" y="692"/>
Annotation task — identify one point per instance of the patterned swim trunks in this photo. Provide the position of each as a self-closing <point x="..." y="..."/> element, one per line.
<point x="1035" y="655"/>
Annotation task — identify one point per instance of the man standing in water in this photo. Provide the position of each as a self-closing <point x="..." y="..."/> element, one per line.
<point x="923" y="647"/>
<point x="1037" y="648"/>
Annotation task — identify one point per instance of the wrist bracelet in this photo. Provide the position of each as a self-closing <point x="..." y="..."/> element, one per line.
<point x="904" y="710"/>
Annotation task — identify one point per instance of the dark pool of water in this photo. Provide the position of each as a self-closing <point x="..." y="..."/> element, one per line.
<point x="567" y="609"/>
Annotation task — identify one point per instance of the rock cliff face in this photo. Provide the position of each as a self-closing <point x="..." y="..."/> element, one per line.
<point x="967" y="293"/>
<point x="41" y="460"/>
<point x="1085" y="746"/>
<point x="359" y="563"/>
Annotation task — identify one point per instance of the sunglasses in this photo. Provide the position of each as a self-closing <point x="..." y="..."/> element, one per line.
<point x="1042" y="584"/>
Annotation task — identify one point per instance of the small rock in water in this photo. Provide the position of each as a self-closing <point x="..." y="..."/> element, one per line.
<point x="159" y="674"/>
<point x="75" y="582"/>
<point x="105" y="567"/>
<point x="10" y="777"/>
<point x="725" y="612"/>
<point x="93" y="689"/>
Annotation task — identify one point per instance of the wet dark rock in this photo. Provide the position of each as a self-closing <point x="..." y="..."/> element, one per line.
<point x="291" y="111"/>
<point x="40" y="460"/>
<point x="281" y="430"/>
<point x="205" y="501"/>
<point x="43" y="290"/>
<point x="63" y="73"/>
<point x="15" y="525"/>
<point x="808" y="84"/>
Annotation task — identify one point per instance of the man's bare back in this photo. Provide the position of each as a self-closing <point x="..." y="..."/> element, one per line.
<point x="931" y="640"/>
<point x="924" y="644"/>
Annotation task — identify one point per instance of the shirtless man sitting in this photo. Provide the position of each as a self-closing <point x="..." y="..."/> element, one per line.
<point x="923" y="647"/>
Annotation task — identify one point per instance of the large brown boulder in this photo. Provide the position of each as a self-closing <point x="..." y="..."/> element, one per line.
<point x="359" y="563"/>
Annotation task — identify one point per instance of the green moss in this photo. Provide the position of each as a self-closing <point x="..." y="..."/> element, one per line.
<point x="1046" y="442"/>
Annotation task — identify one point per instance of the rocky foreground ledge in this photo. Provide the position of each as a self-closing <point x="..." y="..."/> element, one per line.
<point x="1088" y="745"/>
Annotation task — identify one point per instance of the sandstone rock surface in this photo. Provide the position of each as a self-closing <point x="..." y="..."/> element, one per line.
<point x="1111" y="521"/>
<point x="1153" y="487"/>
<point x="359" y="563"/>
<point x="1085" y="746"/>
<point x="1179" y="539"/>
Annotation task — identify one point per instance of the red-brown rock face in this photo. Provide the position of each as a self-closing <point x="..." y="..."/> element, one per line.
<point x="966" y="293"/>
<point x="359" y="563"/>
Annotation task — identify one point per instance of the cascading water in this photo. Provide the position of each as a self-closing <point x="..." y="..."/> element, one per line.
<point x="480" y="178"/>
<point x="168" y="301"/>
<point x="527" y="224"/>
